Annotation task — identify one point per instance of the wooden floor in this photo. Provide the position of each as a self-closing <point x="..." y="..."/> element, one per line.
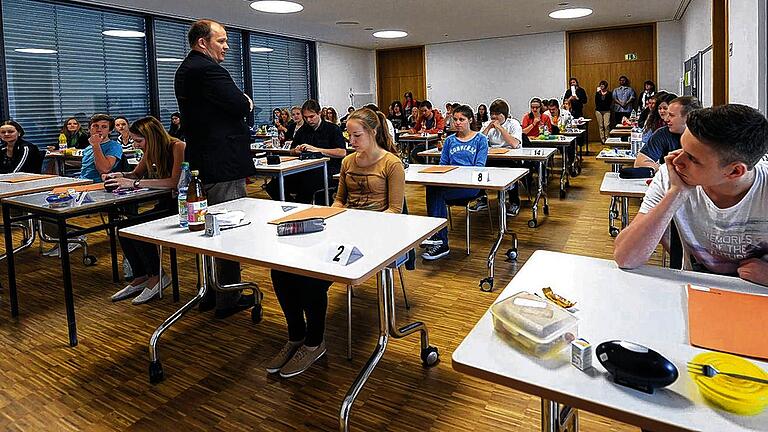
<point x="214" y="368"/>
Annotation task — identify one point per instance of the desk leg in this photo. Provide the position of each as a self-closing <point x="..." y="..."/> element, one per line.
<point x="541" y="192"/>
<point x="613" y="214"/>
<point x="387" y="327"/>
<point x="155" y="368"/>
<point x="281" y="185"/>
<point x="66" y="271"/>
<point x="558" y="418"/>
<point x="11" y="264"/>
<point x="113" y="245"/>
<point x="174" y="275"/>
<point x="325" y="183"/>
<point x="487" y="283"/>
<point x="564" y="176"/>
<point x="624" y="212"/>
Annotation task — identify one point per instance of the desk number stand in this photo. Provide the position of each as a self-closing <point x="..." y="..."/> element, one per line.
<point x="206" y="268"/>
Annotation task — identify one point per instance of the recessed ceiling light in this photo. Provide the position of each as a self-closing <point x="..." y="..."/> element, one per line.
<point x="368" y="29"/>
<point x="628" y="15"/>
<point x="527" y="26"/>
<point x="123" y="33"/>
<point x="36" y="50"/>
<point x="570" y="13"/>
<point x="169" y="60"/>
<point x="347" y="23"/>
<point x="563" y="4"/>
<point x="261" y="49"/>
<point x="390" y="34"/>
<point x="277" y="6"/>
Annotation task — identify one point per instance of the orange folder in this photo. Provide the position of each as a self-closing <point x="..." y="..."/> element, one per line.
<point x="26" y="177"/>
<point x="728" y="321"/>
<point x="81" y="188"/>
<point x="438" y="169"/>
<point x="498" y="150"/>
<point x="310" y="213"/>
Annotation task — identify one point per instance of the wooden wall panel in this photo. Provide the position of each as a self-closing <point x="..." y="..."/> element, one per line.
<point x="399" y="71"/>
<point x="599" y="55"/>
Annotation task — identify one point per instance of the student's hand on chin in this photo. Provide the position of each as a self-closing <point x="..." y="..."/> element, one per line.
<point x="675" y="181"/>
<point x="754" y="270"/>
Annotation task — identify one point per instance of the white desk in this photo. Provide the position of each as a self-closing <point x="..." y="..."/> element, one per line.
<point x="617" y="142"/>
<point x="294" y="166"/>
<point x="258" y="244"/>
<point x="501" y="180"/>
<point x="563" y="143"/>
<point x="621" y="190"/>
<point x="31" y="186"/>
<point x="616" y="157"/>
<point x="405" y="139"/>
<point x="646" y="306"/>
<point x="540" y="156"/>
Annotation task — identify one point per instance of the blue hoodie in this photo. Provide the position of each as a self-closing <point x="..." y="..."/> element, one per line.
<point x="465" y="153"/>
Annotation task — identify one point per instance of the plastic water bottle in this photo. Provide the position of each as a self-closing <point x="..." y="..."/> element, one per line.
<point x="184" y="180"/>
<point x="636" y="139"/>
<point x="274" y="136"/>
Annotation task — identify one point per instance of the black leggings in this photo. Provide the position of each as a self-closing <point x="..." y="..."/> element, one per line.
<point x="300" y="296"/>
<point x="144" y="257"/>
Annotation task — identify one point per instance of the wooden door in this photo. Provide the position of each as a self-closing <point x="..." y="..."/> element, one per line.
<point x="597" y="55"/>
<point x="399" y="71"/>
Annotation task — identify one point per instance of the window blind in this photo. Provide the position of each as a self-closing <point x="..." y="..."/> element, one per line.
<point x="87" y="72"/>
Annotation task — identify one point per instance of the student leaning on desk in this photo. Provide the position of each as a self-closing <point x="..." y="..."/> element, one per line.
<point x="371" y="178"/>
<point x="160" y="168"/>
<point x="715" y="188"/>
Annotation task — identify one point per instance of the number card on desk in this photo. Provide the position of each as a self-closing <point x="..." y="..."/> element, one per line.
<point x="343" y="254"/>
<point x="481" y="177"/>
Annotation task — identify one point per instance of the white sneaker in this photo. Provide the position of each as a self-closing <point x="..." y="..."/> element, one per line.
<point x="128" y="292"/>
<point x="150" y="293"/>
<point x="71" y="247"/>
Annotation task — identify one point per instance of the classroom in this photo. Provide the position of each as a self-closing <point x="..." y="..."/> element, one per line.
<point x="295" y="215"/>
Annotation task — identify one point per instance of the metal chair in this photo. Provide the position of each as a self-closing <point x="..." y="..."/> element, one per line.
<point x="464" y="202"/>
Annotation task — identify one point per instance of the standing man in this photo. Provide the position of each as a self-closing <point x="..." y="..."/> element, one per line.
<point x="218" y="139"/>
<point x="623" y="100"/>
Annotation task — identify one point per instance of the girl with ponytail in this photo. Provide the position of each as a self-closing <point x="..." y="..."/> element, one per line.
<point x="371" y="178"/>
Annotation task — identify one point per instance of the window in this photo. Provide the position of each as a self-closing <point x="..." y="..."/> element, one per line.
<point x="281" y="76"/>
<point x="172" y="47"/>
<point x="80" y="71"/>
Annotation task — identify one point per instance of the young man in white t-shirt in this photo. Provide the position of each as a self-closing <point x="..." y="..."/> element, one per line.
<point x="716" y="190"/>
<point x="502" y="131"/>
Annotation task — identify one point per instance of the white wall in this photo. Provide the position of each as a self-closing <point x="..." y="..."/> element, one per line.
<point x="341" y="68"/>
<point x="478" y="72"/>
<point x="696" y="28"/>
<point x="669" y="61"/>
<point x="744" y="79"/>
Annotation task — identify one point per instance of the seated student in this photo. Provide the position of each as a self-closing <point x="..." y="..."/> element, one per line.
<point x="316" y="135"/>
<point x="448" y="117"/>
<point x="465" y="148"/>
<point x="667" y="139"/>
<point x="295" y="124"/>
<point x="102" y="154"/>
<point x="350" y="110"/>
<point x="160" y="168"/>
<point x="398" y="119"/>
<point x="559" y="117"/>
<point x="657" y="118"/>
<point x="716" y="190"/>
<point x="16" y="153"/>
<point x="482" y="114"/>
<point x="176" y="130"/>
<point x="650" y="105"/>
<point x="430" y="121"/>
<point x="72" y="133"/>
<point x="123" y="136"/>
<point x="373" y="179"/>
<point x="390" y="126"/>
<point x="536" y="119"/>
<point x="502" y="131"/>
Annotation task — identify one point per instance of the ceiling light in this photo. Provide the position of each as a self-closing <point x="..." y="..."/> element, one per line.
<point x="368" y="29"/>
<point x="261" y="49"/>
<point x="347" y="23"/>
<point x="169" y="60"/>
<point x="36" y="50"/>
<point x="390" y="34"/>
<point x="570" y="13"/>
<point x="123" y="33"/>
<point x="277" y="6"/>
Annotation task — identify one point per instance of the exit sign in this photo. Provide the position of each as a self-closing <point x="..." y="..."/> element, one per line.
<point x="630" y="56"/>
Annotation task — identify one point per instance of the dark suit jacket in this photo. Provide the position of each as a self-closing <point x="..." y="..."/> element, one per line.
<point x="213" y="109"/>
<point x="577" y="106"/>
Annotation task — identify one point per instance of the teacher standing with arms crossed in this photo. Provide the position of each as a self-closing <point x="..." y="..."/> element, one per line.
<point x="218" y="140"/>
